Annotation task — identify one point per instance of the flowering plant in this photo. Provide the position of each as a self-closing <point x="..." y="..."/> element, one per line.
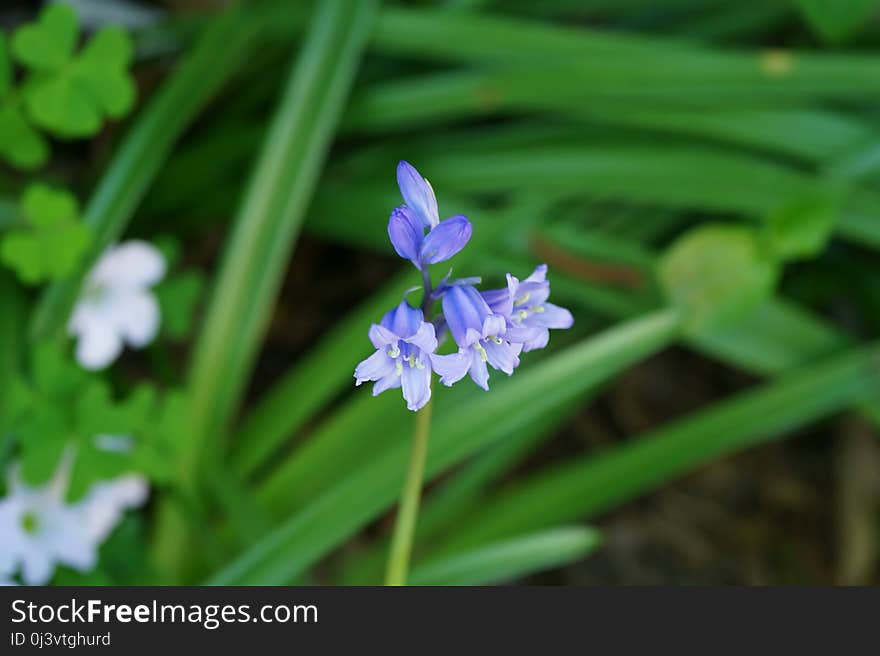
<point x="491" y="328"/>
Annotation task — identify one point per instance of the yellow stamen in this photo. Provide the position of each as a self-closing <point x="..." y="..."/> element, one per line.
<point x="482" y="351"/>
<point x="522" y="300"/>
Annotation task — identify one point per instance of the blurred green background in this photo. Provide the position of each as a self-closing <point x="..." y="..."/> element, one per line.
<point x="702" y="178"/>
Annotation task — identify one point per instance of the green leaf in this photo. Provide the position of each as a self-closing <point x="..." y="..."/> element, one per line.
<point x="837" y="20"/>
<point x="72" y="101"/>
<point x="47" y="44"/>
<point x="800" y="229"/>
<point x="178" y="297"/>
<point x="42" y="438"/>
<point x="5" y="68"/>
<point x="507" y="560"/>
<point x="716" y="273"/>
<point x="55" y="239"/>
<point x="62" y="409"/>
<point x="102" y="69"/>
<point x="58" y="104"/>
<point x="20" y="144"/>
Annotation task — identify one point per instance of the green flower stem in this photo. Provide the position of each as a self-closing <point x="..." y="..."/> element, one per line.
<point x="405" y="524"/>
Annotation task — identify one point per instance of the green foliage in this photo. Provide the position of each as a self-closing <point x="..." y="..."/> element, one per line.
<point x="20" y="144"/>
<point x="52" y="241"/>
<point x="178" y="293"/>
<point x="716" y="273"/>
<point x="59" y="410"/>
<point x="837" y="20"/>
<point x="510" y="559"/>
<point x="178" y="296"/>
<point x="800" y="229"/>
<point x="47" y="44"/>
<point x="69" y="94"/>
<point x="634" y="140"/>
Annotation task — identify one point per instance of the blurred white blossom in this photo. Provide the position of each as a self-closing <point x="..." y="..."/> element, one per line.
<point x="39" y="529"/>
<point x="116" y="306"/>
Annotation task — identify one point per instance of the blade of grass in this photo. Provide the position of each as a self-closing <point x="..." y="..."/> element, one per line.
<point x="219" y="52"/>
<point x="264" y="232"/>
<point x="13" y="308"/>
<point x="509" y="559"/>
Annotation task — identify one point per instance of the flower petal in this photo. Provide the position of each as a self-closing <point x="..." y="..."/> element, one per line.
<point x="451" y="368"/>
<point x="103" y="507"/>
<point x="136" y="314"/>
<point x="403" y="320"/>
<point x="500" y="301"/>
<point x="425" y="338"/>
<point x="446" y="239"/>
<point x="36" y="565"/>
<point x="99" y="343"/>
<point x="380" y="336"/>
<point x="465" y="311"/>
<point x="416" y="383"/>
<point x="538" y="341"/>
<point x="554" y="316"/>
<point x="494" y="324"/>
<point x="478" y="370"/>
<point x="374" y="367"/>
<point x="69" y="544"/>
<point x="502" y="356"/>
<point x="418" y="194"/>
<point x="538" y="275"/>
<point x="391" y="381"/>
<point x="523" y="332"/>
<point x="406" y="233"/>
<point x="134" y="263"/>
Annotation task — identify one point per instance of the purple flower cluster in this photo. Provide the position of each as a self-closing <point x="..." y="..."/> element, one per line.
<point x="491" y="328"/>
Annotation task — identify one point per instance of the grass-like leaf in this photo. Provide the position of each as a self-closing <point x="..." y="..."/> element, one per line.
<point x="509" y="559"/>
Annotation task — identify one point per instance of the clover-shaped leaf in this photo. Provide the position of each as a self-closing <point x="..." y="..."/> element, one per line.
<point x="53" y="240"/>
<point x="60" y="411"/>
<point x="47" y="44"/>
<point x="20" y="144"/>
<point x="69" y="94"/>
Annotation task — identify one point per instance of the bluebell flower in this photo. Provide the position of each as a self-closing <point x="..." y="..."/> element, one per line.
<point x="404" y="344"/>
<point x="529" y="315"/>
<point x="479" y="333"/>
<point x="408" y="223"/>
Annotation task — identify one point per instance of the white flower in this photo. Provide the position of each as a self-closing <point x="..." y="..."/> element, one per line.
<point x="116" y="306"/>
<point x="39" y="529"/>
